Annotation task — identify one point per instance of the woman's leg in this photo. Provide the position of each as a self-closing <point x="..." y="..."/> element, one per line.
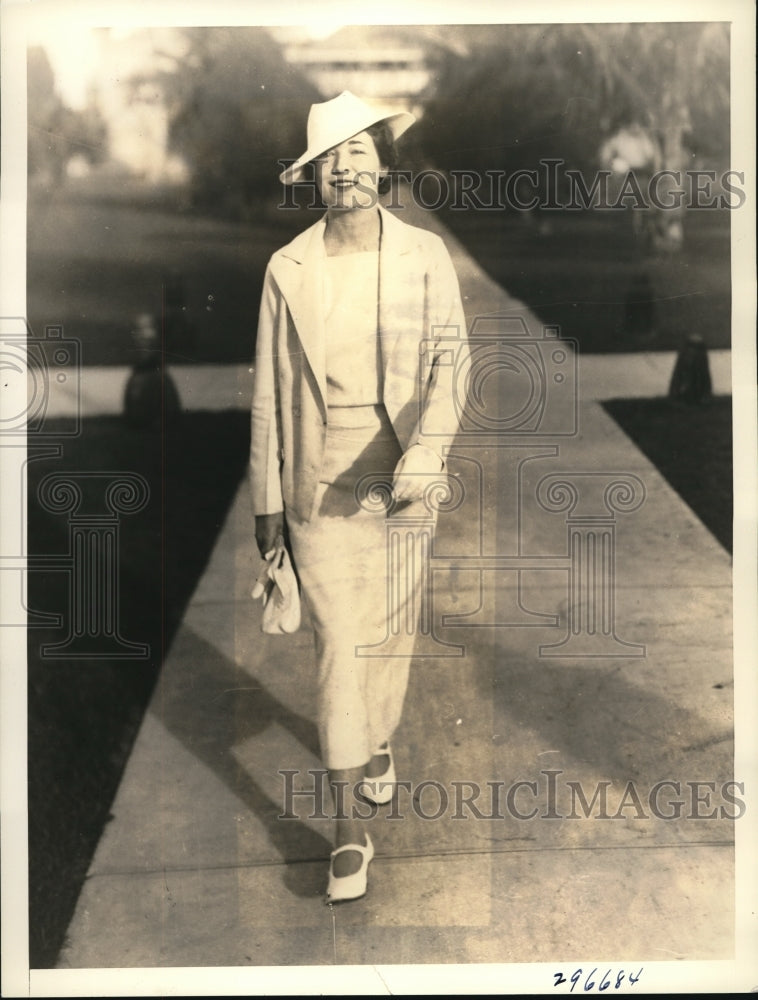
<point x="379" y="763"/>
<point x="349" y="829"/>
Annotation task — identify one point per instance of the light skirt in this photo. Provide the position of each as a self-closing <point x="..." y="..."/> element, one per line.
<point x="341" y="556"/>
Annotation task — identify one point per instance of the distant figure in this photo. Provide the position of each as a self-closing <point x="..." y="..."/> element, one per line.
<point x="691" y="378"/>
<point x="635" y="150"/>
<point x="631" y="149"/>
<point x="150" y="395"/>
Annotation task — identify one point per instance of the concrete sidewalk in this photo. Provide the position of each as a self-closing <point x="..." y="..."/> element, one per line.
<point x="197" y="868"/>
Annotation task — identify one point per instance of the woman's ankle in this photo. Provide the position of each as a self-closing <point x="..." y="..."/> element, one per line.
<point x="349" y="831"/>
<point x="380" y="762"/>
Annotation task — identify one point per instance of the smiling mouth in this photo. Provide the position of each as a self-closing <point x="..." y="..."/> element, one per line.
<point x="343" y="184"/>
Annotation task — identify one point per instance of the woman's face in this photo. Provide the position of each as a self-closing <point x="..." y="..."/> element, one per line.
<point x="347" y="175"/>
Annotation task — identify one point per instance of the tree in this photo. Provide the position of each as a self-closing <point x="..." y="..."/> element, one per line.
<point x="44" y="150"/>
<point x="235" y="108"/>
<point x="524" y="92"/>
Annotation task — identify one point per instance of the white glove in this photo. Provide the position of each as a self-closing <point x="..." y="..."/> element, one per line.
<point x="417" y="468"/>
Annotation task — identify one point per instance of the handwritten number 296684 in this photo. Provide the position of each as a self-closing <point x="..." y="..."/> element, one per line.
<point x="591" y="982"/>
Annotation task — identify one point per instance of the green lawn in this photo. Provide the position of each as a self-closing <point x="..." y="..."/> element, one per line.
<point x="586" y="274"/>
<point x="692" y="446"/>
<point x="95" y="262"/>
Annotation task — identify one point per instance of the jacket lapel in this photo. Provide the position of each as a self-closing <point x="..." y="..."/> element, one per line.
<point x="401" y="289"/>
<point x="299" y="271"/>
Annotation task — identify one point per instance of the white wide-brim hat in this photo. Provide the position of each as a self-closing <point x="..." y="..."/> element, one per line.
<point x="334" y="121"/>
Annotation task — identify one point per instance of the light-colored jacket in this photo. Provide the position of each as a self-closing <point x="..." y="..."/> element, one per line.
<point x="423" y="348"/>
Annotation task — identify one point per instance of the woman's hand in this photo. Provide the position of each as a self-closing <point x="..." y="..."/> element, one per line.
<point x="267" y="528"/>
<point x="417" y="468"/>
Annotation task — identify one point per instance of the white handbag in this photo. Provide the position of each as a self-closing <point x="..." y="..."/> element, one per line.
<point x="278" y="588"/>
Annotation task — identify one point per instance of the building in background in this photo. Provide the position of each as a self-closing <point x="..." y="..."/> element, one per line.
<point x="392" y="65"/>
<point x="386" y="66"/>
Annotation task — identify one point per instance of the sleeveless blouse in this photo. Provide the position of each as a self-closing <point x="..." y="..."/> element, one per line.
<point x="353" y="351"/>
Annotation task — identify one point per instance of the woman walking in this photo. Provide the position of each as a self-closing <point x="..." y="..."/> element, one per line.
<point x="353" y="382"/>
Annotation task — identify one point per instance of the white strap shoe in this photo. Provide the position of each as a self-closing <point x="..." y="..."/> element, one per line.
<point x="344" y="887"/>
<point x="380" y="789"/>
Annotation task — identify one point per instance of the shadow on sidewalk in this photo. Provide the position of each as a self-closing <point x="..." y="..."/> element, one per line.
<point x="600" y="716"/>
<point x="212" y="706"/>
